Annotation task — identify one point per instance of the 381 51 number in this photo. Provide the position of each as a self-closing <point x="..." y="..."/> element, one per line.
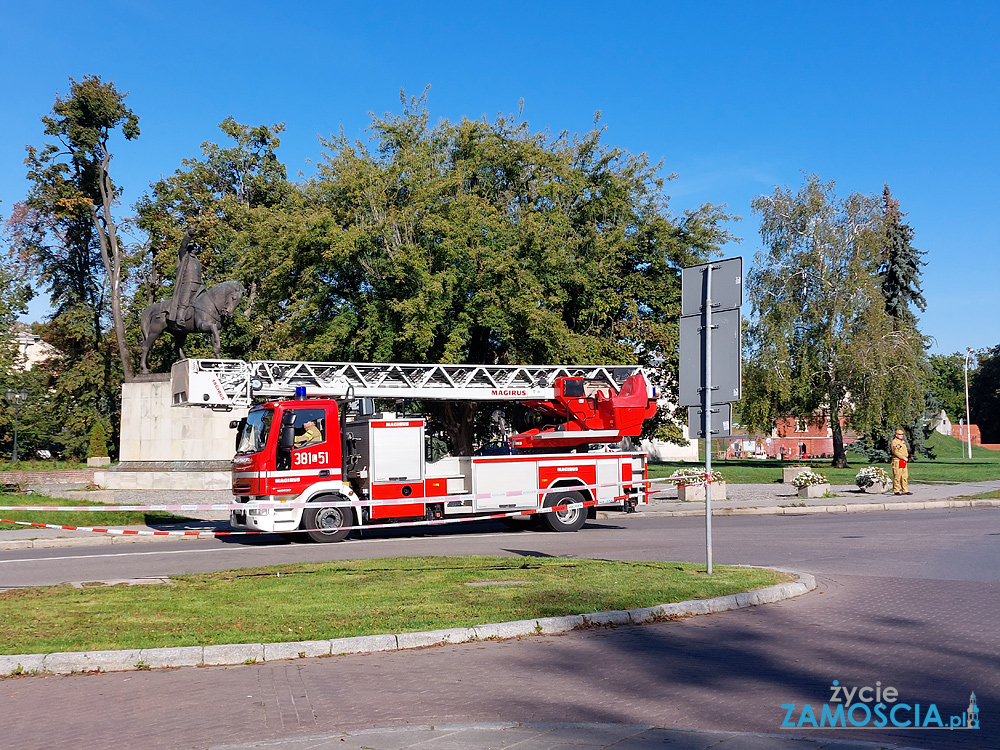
<point x="308" y="458"/>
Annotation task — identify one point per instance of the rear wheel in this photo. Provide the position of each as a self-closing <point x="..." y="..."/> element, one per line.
<point x="571" y="519"/>
<point x="328" y="524"/>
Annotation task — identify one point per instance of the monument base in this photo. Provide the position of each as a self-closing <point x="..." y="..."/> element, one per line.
<point x="166" y="447"/>
<point x="166" y="475"/>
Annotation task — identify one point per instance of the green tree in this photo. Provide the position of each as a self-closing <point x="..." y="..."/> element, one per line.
<point x="66" y="235"/>
<point x="820" y="343"/>
<point x="234" y="196"/>
<point x="984" y="394"/>
<point x="480" y="242"/>
<point x="948" y="383"/>
<point x="901" y="265"/>
<point x="72" y="190"/>
<point x="900" y="273"/>
<point x="14" y="296"/>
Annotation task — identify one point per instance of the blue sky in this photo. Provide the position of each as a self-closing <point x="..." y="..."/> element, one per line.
<point x="734" y="97"/>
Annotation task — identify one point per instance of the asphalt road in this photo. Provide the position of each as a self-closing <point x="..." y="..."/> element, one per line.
<point x="962" y="545"/>
<point x="907" y="599"/>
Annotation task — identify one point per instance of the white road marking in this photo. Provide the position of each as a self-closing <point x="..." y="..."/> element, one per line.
<point x="262" y="548"/>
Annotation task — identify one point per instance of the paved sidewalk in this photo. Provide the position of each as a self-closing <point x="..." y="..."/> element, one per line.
<point x="555" y="737"/>
<point x="742" y="499"/>
<point x="783" y="499"/>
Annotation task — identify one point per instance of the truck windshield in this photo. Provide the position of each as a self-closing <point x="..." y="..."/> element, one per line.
<point x="254" y="436"/>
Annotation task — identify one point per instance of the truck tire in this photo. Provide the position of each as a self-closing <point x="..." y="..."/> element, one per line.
<point x="565" y="520"/>
<point x="327" y="524"/>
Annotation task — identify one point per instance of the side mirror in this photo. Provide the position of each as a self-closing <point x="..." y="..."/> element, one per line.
<point x="286" y="440"/>
<point x="238" y="425"/>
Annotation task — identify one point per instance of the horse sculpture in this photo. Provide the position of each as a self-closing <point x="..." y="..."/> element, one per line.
<point x="205" y="315"/>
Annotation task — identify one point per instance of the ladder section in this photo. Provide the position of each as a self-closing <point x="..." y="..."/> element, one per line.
<point x="225" y="383"/>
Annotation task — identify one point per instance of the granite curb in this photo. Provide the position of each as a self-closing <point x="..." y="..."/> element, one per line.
<point x="251" y="653"/>
<point x="796" y="510"/>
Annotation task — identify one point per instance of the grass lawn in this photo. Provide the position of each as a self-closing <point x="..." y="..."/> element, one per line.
<point x="947" y="466"/>
<point x="335" y="599"/>
<point x="33" y="464"/>
<point x="77" y="518"/>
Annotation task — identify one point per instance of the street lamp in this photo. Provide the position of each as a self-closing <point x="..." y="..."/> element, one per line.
<point x="968" y="422"/>
<point x="16" y="399"/>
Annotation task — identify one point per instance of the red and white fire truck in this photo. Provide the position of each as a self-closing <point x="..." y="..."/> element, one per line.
<point x="316" y="441"/>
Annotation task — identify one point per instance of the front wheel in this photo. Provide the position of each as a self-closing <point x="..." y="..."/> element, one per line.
<point x="327" y="524"/>
<point x="571" y="519"/>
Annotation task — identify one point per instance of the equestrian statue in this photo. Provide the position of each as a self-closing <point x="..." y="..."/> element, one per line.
<point x="192" y="308"/>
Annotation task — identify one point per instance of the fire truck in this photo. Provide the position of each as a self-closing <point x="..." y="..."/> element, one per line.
<point x="313" y="455"/>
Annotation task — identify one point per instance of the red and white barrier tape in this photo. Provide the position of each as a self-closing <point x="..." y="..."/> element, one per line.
<point x="396" y="525"/>
<point x="256" y="504"/>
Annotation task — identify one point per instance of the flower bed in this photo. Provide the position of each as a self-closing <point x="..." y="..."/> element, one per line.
<point x="809" y="478"/>
<point x="872" y="476"/>
<point x="811" y="484"/>
<point x="692" y="476"/>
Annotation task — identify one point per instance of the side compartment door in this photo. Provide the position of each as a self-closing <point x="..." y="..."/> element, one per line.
<point x="609" y="489"/>
<point x="504" y="485"/>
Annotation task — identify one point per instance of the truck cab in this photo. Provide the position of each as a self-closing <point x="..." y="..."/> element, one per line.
<point x="282" y="449"/>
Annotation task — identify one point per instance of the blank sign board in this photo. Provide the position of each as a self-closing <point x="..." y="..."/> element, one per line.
<point x="727" y="364"/>
<point x="721" y="421"/>
<point x="727" y="286"/>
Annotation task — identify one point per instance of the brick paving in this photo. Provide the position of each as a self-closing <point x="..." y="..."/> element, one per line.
<point x="935" y="641"/>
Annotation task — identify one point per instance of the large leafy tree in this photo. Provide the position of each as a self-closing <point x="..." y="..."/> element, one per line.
<point x="14" y="295"/>
<point x="235" y="196"/>
<point x="473" y="241"/>
<point x="70" y="221"/>
<point x="66" y="235"/>
<point x="948" y="383"/>
<point x="984" y="394"/>
<point x="480" y="242"/>
<point x="900" y="272"/>
<point x="820" y="341"/>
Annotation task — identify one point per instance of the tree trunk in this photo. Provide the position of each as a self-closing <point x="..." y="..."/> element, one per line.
<point x="458" y="419"/>
<point x="839" y="454"/>
<point x="112" y="256"/>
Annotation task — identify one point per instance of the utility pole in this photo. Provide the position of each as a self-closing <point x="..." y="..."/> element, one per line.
<point x="16" y="399"/>
<point x="707" y="417"/>
<point x="968" y="421"/>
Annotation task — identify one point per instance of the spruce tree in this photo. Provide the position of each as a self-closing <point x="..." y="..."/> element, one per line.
<point x="900" y="269"/>
<point x="900" y="274"/>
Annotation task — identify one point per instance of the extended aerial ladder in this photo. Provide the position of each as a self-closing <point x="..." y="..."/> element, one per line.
<point x="587" y="403"/>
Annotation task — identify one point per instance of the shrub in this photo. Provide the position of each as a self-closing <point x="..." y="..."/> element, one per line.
<point x="98" y="441"/>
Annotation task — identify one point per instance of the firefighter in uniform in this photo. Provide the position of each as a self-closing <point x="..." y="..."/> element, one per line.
<point x="900" y="473"/>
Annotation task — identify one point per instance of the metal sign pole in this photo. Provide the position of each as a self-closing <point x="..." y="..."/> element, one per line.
<point x="707" y="406"/>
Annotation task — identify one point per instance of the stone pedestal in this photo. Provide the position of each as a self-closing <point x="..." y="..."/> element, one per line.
<point x="877" y="489"/>
<point x="788" y="473"/>
<point x="695" y="493"/>
<point x="170" y="447"/>
<point x="814" y="490"/>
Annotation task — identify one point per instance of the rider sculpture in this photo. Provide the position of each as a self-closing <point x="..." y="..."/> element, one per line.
<point x="192" y="308"/>
<point x="188" y="285"/>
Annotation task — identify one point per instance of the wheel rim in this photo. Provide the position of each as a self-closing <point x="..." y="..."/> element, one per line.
<point x="568" y="516"/>
<point x="330" y="519"/>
